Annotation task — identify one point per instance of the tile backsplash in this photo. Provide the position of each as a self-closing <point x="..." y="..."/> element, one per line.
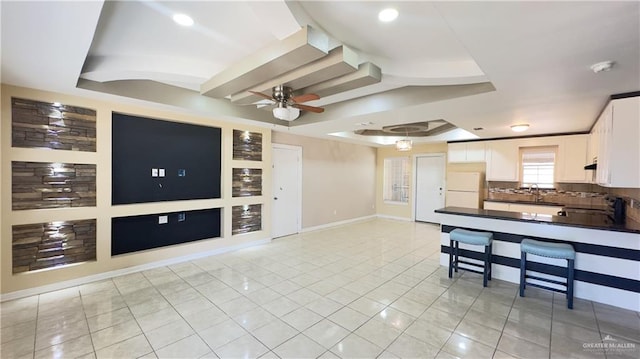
<point x="581" y="195"/>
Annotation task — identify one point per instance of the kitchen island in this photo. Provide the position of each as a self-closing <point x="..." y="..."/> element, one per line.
<point x="607" y="254"/>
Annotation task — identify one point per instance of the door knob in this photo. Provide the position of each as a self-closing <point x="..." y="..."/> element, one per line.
<point x="275" y="198"/>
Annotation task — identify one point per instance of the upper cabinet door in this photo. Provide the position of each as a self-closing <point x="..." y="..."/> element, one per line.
<point x="476" y="152"/>
<point x="623" y="144"/>
<point x="466" y="152"/>
<point x="502" y="160"/>
<point x="572" y="157"/>
<point x="457" y="152"/>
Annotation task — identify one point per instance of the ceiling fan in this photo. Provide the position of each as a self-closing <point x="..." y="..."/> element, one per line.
<point x="285" y="102"/>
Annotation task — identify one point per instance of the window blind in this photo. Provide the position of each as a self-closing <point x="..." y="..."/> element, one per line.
<point x="538" y="166"/>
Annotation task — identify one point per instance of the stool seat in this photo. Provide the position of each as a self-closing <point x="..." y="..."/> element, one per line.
<point x="548" y="249"/>
<point x="471" y="237"/>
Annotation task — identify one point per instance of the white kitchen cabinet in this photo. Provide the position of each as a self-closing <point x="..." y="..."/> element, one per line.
<point x="466" y="152"/>
<point x="617" y="131"/>
<point x="496" y="206"/>
<point x="502" y="160"/>
<point x="535" y="208"/>
<point x="572" y="157"/>
<point x="522" y="208"/>
<point x="457" y="152"/>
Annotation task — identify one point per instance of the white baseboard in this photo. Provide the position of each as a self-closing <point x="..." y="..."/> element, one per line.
<point x="384" y="216"/>
<point x="118" y="272"/>
<point x="339" y="223"/>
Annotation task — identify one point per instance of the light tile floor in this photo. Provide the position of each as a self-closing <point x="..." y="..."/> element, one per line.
<point x="366" y="290"/>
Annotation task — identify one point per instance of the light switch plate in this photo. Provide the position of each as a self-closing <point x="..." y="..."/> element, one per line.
<point x="154" y="172"/>
<point x="161" y="172"/>
<point x="163" y="219"/>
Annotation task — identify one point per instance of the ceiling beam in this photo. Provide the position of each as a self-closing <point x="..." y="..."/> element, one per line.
<point x="340" y="61"/>
<point x="367" y="74"/>
<point x="299" y="49"/>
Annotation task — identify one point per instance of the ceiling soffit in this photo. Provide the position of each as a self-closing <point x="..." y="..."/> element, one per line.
<point x="415" y="129"/>
<point x="301" y="48"/>
<point x="340" y="61"/>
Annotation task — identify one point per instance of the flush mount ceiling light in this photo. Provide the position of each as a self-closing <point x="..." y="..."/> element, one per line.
<point x="388" y="15"/>
<point x="404" y="145"/>
<point x="602" y="66"/>
<point x="520" y="128"/>
<point x="183" y="19"/>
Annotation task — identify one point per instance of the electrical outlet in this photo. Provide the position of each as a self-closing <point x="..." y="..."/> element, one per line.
<point x="163" y="219"/>
<point x="161" y="172"/>
<point x="182" y="217"/>
<point x="182" y="173"/>
<point x="154" y="172"/>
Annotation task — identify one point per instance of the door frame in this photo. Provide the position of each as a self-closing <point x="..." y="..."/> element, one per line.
<point x="298" y="150"/>
<point x="415" y="178"/>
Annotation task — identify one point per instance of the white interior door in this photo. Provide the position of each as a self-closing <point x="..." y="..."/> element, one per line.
<point x="287" y="190"/>
<point x="429" y="187"/>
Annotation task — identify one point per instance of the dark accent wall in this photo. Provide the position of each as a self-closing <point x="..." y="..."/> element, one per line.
<point x="155" y="160"/>
<point x="247" y="145"/>
<point x="137" y="233"/>
<point x="247" y="182"/>
<point x="52" y="244"/>
<point x="246" y="218"/>
<point x="38" y="124"/>
<point x="36" y="185"/>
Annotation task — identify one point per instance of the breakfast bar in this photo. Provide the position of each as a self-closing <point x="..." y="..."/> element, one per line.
<point x="607" y="264"/>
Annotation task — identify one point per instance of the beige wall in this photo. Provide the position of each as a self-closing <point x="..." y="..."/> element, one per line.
<point x="401" y="210"/>
<point x="103" y="210"/>
<point x="338" y="179"/>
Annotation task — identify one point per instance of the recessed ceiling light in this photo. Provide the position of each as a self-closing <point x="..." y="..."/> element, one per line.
<point x="388" y="15"/>
<point x="183" y="19"/>
<point x="520" y="127"/>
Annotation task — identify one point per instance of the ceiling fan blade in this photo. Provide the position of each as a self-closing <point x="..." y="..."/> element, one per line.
<point x="261" y="95"/>
<point x="308" y="108"/>
<point x="305" y="98"/>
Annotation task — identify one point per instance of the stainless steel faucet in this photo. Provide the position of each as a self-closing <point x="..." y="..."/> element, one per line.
<point x="537" y="194"/>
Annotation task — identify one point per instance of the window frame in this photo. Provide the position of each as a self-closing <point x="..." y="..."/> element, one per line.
<point x="538" y="150"/>
<point x="404" y="179"/>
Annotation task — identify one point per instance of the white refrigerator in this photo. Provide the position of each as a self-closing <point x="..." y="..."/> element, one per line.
<point x="464" y="189"/>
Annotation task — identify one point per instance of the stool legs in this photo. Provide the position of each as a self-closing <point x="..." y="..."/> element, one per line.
<point x="486" y="275"/>
<point x="570" y="274"/>
<point x="490" y="260"/>
<point x="454" y="250"/>
<point x="457" y="252"/>
<point x="523" y="271"/>
<point x="570" y="265"/>
<point x="450" y="258"/>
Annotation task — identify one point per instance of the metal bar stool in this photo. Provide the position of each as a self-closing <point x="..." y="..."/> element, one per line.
<point x="549" y="250"/>
<point x="485" y="239"/>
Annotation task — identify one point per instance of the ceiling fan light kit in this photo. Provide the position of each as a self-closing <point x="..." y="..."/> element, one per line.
<point x="288" y="106"/>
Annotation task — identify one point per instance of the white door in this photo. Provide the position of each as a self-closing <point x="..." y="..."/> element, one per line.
<point x="429" y="186"/>
<point x="287" y="190"/>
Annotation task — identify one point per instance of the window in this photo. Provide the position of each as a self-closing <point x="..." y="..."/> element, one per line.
<point x="396" y="180"/>
<point x="538" y="165"/>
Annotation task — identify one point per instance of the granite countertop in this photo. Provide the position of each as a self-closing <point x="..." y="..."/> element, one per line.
<point x="590" y="221"/>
